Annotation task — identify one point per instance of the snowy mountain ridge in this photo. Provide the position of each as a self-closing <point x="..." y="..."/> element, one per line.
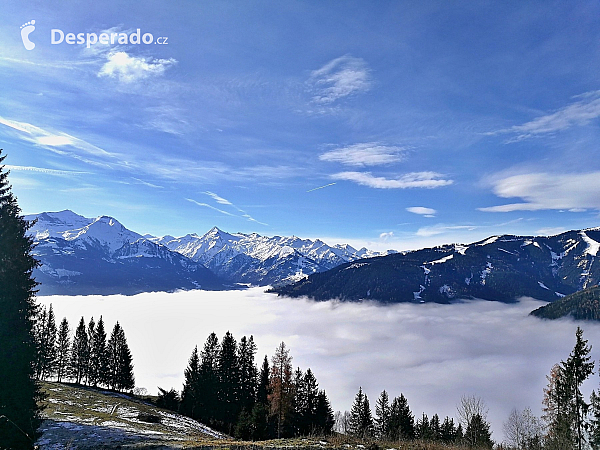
<point x="233" y="257"/>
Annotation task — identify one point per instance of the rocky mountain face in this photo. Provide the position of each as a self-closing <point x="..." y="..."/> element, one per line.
<point x="82" y="256"/>
<point x="500" y="268"/>
<point x="100" y="256"/>
<point x="261" y="260"/>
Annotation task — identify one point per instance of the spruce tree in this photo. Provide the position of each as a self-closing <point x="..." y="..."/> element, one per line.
<point x="19" y="392"/>
<point x="63" y="350"/>
<point x="402" y="420"/>
<point x="248" y="373"/>
<point x="361" y="420"/>
<point x="478" y="433"/>
<point x="80" y="353"/>
<point x="39" y="331"/>
<point x="98" y="356"/>
<point x="229" y="382"/>
<point x="91" y="374"/>
<point x="577" y="369"/>
<point x="324" y="421"/>
<point x="190" y="395"/>
<point x="382" y="413"/>
<point x="209" y="380"/>
<point x="120" y="361"/>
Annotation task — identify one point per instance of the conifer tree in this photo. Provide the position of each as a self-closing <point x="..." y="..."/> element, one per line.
<point x="248" y="373"/>
<point x="382" y="413"/>
<point x="120" y="361"/>
<point x="80" y="353"/>
<point x="262" y="391"/>
<point x="45" y="336"/>
<point x="435" y="427"/>
<point x="361" y="420"/>
<point x="448" y="431"/>
<point x="39" y="331"/>
<point x="281" y="390"/>
<point x="577" y="369"/>
<point x="19" y="413"/>
<point x="229" y="382"/>
<point x="324" y="421"/>
<point x="209" y="380"/>
<point x="90" y="373"/>
<point x="63" y="350"/>
<point x="595" y="421"/>
<point x="98" y="356"/>
<point x="190" y="395"/>
<point x="423" y="428"/>
<point x="402" y="421"/>
<point x="478" y="433"/>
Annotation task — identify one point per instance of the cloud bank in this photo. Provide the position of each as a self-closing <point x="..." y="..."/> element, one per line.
<point x="431" y="353"/>
<point x="368" y="154"/>
<point x="571" y="191"/>
<point x="427" y="180"/>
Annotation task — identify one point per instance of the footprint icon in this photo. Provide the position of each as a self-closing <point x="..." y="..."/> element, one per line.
<point x="26" y="30"/>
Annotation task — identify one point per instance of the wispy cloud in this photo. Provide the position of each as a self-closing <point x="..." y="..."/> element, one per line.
<point x="340" y="78"/>
<point x="422" y="210"/>
<point x="52" y="139"/>
<point x="539" y="191"/>
<point x="223" y="201"/>
<point x="206" y="205"/>
<point x="386" y="236"/>
<point x="428" y="180"/>
<point x="442" y="228"/>
<point x="128" y="69"/>
<point x="367" y="154"/>
<point x="577" y="113"/>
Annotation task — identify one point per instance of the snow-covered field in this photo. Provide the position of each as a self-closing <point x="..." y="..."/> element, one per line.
<point x="431" y="353"/>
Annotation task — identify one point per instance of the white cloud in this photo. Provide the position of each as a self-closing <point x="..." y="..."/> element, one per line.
<point x="442" y="229"/>
<point x="577" y="113"/>
<point x="427" y="180"/>
<point x="129" y="69"/>
<point x="367" y="154"/>
<point x="539" y="191"/>
<point x="340" y="78"/>
<point x="218" y="199"/>
<point x="427" y="352"/>
<point x="422" y="210"/>
<point x="206" y="205"/>
<point x="386" y="236"/>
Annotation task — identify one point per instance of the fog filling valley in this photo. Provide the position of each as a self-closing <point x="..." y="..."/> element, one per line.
<point x="431" y="353"/>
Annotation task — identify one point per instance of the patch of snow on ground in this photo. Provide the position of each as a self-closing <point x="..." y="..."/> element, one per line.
<point x="592" y="246"/>
<point x="543" y="286"/>
<point x="441" y="260"/>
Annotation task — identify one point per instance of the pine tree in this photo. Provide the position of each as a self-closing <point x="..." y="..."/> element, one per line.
<point x="423" y="429"/>
<point x="281" y="391"/>
<point x="324" y="421"/>
<point x="63" y="350"/>
<point x="80" y="353"/>
<point x="209" y="380"/>
<point x="262" y="391"/>
<point x="120" y="361"/>
<point x="229" y="382"/>
<point x="19" y="393"/>
<point x="382" y="412"/>
<point x="248" y="373"/>
<point x="595" y="421"/>
<point x="99" y="356"/>
<point x="478" y="433"/>
<point x="38" y="331"/>
<point x="91" y="374"/>
<point x="577" y="369"/>
<point x="190" y="395"/>
<point x="435" y="427"/>
<point x="448" y="431"/>
<point x="361" y="420"/>
<point x="402" y="421"/>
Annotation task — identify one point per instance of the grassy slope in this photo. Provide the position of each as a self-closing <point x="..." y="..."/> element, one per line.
<point x="85" y="418"/>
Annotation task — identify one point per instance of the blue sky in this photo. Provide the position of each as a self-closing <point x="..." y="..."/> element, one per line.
<point x="386" y="124"/>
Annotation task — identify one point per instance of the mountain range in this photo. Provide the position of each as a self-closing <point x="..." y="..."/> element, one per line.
<point x="500" y="268"/>
<point x="82" y="256"/>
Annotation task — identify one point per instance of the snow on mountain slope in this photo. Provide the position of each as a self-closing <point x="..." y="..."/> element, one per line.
<point x="252" y="258"/>
<point x="54" y="224"/>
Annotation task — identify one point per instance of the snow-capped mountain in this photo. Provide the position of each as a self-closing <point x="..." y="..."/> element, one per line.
<point x="84" y="256"/>
<point x="101" y="256"/>
<point x="262" y="260"/>
<point x="498" y="268"/>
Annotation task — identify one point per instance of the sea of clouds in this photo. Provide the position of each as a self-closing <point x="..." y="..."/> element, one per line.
<point x="432" y="353"/>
